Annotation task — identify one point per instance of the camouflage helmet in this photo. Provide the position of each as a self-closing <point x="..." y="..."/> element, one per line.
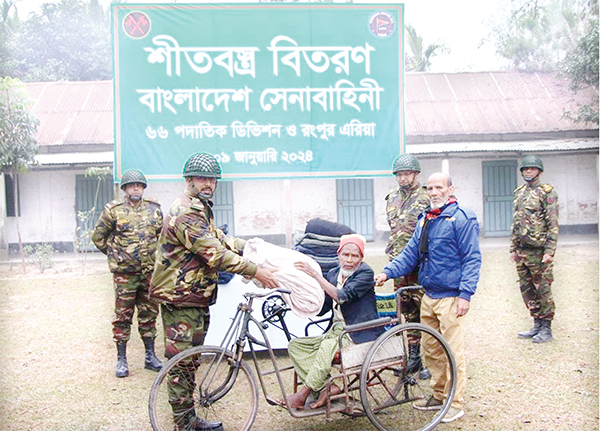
<point x="532" y="162"/>
<point x="133" y="176"/>
<point x="406" y="162"/>
<point x="202" y="165"/>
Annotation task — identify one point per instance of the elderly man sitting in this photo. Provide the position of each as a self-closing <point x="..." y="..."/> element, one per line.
<point x="349" y="289"/>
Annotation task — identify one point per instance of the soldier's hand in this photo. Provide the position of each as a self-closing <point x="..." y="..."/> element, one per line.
<point x="514" y="256"/>
<point x="267" y="278"/>
<point x="380" y="279"/>
<point x="547" y="258"/>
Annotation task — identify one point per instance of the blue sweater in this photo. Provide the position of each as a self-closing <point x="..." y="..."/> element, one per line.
<point x="452" y="265"/>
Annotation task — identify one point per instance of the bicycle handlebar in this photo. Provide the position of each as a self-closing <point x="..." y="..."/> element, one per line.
<point x="418" y="287"/>
<point x="269" y="292"/>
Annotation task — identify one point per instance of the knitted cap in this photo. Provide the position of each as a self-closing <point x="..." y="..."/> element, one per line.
<point x="355" y="239"/>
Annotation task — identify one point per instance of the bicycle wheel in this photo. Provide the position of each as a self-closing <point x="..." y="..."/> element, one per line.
<point x="205" y="383"/>
<point x="388" y="388"/>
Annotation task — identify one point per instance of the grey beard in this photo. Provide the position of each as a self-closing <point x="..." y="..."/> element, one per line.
<point x="437" y="206"/>
<point x="346" y="273"/>
<point x="135" y="198"/>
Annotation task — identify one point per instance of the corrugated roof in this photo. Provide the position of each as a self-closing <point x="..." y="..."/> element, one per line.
<point x="437" y="105"/>
<point x="484" y="103"/>
<point x="73" y="113"/>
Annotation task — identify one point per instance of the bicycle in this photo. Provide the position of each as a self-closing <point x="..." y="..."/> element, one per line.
<point x="374" y="378"/>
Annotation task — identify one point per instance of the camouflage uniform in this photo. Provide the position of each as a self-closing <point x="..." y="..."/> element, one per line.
<point x="535" y="233"/>
<point x="191" y="251"/>
<point x="403" y="208"/>
<point x="128" y="236"/>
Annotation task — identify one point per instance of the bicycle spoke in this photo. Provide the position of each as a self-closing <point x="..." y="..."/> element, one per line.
<point x="203" y="383"/>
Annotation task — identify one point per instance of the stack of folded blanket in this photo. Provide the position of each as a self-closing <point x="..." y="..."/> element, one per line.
<point x="320" y="241"/>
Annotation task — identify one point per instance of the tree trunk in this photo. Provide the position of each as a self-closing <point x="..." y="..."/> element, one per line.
<point x="21" y="247"/>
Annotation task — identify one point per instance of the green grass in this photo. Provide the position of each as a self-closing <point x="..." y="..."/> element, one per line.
<point x="58" y="356"/>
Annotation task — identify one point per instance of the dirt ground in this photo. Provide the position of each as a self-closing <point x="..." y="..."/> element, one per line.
<point x="57" y="361"/>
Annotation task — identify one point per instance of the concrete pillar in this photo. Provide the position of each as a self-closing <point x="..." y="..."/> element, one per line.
<point x="446" y="166"/>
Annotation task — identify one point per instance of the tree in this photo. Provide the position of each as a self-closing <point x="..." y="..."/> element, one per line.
<point x="525" y="38"/>
<point x="536" y="35"/>
<point x="69" y="40"/>
<point x="554" y="35"/>
<point x="18" y="145"/>
<point x="420" y="60"/>
<point x="9" y="24"/>
<point x="581" y="67"/>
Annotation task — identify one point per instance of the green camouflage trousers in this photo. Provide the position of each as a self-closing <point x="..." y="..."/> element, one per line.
<point x="131" y="291"/>
<point x="535" y="279"/>
<point x="184" y="328"/>
<point x="410" y="301"/>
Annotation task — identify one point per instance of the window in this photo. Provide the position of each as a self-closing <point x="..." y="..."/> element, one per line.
<point x="11" y="190"/>
<point x="223" y="206"/>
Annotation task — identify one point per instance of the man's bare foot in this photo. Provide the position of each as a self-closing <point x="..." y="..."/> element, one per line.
<point x="297" y="400"/>
<point x="333" y="390"/>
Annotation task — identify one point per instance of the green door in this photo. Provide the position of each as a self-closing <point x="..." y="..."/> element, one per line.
<point x="90" y="198"/>
<point x="499" y="182"/>
<point x="355" y="206"/>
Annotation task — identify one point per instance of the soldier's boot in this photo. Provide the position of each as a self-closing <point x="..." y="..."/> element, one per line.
<point x="414" y="358"/>
<point x="201" y="425"/>
<point x="415" y="364"/>
<point x="537" y="325"/>
<point x="122" y="367"/>
<point x="193" y="423"/>
<point x="151" y="362"/>
<point x="545" y="333"/>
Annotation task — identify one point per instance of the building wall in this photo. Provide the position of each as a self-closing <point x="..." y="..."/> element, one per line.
<point x="47" y="208"/>
<point x="575" y="179"/>
<point x="313" y="198"/>
<point x="275" y="209"/>
<point x="467" y="177"/>
<point x="165" y="193"/>
<point x="258" y="207"/>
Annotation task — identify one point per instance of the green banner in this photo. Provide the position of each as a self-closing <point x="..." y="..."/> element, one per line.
<point x="272" y="90"/>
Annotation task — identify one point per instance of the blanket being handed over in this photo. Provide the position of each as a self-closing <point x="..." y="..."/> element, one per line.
<point x="307" y="297"/>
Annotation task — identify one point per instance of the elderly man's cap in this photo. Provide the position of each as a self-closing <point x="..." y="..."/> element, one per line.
<point x="355" y="239"/>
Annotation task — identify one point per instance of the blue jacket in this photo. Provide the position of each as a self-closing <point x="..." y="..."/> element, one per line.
<point x="357" y="301"/>
<point x="452" y="265"/>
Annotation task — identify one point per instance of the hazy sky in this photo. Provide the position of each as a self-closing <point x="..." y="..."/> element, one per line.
<point x="460" y="25"/>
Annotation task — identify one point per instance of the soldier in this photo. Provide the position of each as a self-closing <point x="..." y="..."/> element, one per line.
<point x="534" y="234"/>
<point x="191" y="251"/>
<point x="404" y="204"/>
<point x="127" y="232"/>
